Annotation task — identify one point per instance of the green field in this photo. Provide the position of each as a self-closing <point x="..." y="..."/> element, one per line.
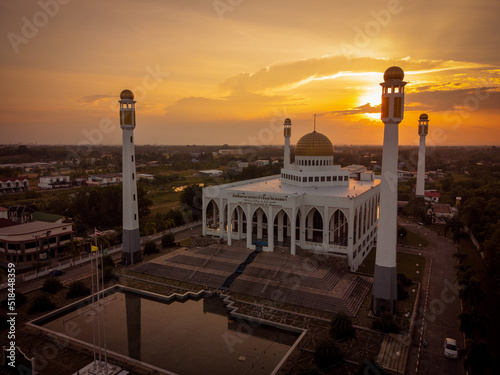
<point x="407" y="264"/>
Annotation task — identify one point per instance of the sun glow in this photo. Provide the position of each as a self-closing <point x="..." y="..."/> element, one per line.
<point x="372" y="96"/>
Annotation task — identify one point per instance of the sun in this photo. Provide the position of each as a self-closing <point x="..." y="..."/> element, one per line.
<point x="372" y="96"/>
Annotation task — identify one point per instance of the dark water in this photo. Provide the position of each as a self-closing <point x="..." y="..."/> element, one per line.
<point x="192" y="337"/>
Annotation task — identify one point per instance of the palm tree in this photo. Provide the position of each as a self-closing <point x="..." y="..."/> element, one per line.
<point x="150" y="228"/>
<point x="473" y="324"/>
<point x="169" y="223"/>
<point x="479" y="360"/>
<point x="471" y="291"/>
<point x="74" y="248"/>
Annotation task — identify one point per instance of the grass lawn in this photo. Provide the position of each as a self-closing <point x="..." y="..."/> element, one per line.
<point x="412" y="239"/>
<point x="406" y="264"/>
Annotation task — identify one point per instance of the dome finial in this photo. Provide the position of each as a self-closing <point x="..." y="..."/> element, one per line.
<point x="394" y="72"/>
<point x="127" y="94"/>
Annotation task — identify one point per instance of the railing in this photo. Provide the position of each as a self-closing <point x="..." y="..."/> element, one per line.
<point x="55" y="264"/>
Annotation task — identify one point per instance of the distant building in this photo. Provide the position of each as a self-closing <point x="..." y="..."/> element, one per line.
<point x="25" y="243"/>
<point x="404" y="175"/>
<point x="104" y="179"/>
<point x="210" y="173"/>
<point x="4" y="213"/>
<point x="235" y="152"/>
<point x="54" y="182"/>
<point x="360" y="172"/>
<point x="261" y="163"/>
<point x="21" y="214"/>
<point x="432" y="196"/>
<point x="14" y="184"/>
<point x="441" y="210"/>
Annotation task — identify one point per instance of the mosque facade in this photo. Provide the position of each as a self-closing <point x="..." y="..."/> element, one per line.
<point x="312" y="205"/>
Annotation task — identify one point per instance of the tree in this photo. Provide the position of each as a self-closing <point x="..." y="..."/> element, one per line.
<point x="479" y="360"/>
<point x="473" y="324"/>
<point x="341" y="326"/>
<point x="386" y="323"/>
<point x="167" y="240"/>
<point x="327" y="354"/>
<point x="169" y="223"/>
<point x="78" y="288"/>
<point x="41" y="304"/>
<point x="51" y="285"/>
<point x="73" y="248"/>
<point x="150" y="228"/>
<point x="192" y="198"/>
<point x="150" y="248"/>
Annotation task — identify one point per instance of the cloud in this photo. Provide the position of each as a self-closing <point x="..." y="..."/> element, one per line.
<point x="484" y="98"/>
<point x="365" y="108"/>
<point x="95" y="99"/>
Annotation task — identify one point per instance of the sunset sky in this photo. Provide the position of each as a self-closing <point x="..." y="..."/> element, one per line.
<point x="230" y="71"/>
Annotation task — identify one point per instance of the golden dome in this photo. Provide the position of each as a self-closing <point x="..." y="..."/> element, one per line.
<point x="424" y="116"/>
<point x="314" y="144"/>
<point x="127" y="94"/>
<point x="394" y="72"/>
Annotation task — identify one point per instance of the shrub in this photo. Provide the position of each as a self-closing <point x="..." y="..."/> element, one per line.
<point x="404" y="279"/>
<point x="341" y="326"/>
<point x="150" y="248"/>
<point x="78" y="289"/>
<point x="386" y="323"/>
<point x="19" y="297"/>
<point x="41" y="304"/>
<point x="402" y="293"/>
<point x="51" y="285"/>
<point x="167" y="240"/>
<point x="327" y="354"/>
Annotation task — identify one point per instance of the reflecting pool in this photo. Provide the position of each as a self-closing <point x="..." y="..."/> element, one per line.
<point x="189" y="337"/>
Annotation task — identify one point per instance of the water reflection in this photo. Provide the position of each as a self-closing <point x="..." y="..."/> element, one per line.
<point x="190" y="337"/>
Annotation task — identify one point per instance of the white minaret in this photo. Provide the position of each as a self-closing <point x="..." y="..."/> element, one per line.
<point x="131" y="247"/>
<point x="423" y="130"/>
<point x="385" y="292"/>
<point x="288" y="133"/>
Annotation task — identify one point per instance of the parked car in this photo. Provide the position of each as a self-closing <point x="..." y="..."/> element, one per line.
<point x="450" y="348"/>
<point x="55" y="273"/>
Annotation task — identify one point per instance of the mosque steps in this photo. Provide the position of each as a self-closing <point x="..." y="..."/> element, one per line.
<point x="332" y="277"/>
<point x="356" y="294"/>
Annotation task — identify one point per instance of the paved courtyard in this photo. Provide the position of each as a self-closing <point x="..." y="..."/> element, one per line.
<point x="311" y="281"/>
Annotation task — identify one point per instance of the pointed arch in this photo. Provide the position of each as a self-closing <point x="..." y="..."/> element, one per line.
<point x="259" y="225"/>
<point x="314" y="226"/>
<point x="282" y="228"/>
<point x="213" y="215"/>
<point x="239" y="221"/>
<point x="339" y="228"/>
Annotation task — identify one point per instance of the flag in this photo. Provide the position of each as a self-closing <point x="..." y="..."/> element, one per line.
<point x="97" y="232"/>
<point x="94" y="248"/>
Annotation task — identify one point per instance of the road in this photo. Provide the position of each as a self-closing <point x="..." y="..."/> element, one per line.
<point x="439" y="297"/>
<point x="83" y="270"/>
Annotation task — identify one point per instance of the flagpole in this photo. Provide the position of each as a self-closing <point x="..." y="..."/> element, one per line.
<point x="93" y="295"/>
<point x="98" y="307"/>
<point x="104" y="317"/>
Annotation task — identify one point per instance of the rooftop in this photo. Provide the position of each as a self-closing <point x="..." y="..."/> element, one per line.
<point x="274" y="186"/>
<point x="33" y="227"/>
